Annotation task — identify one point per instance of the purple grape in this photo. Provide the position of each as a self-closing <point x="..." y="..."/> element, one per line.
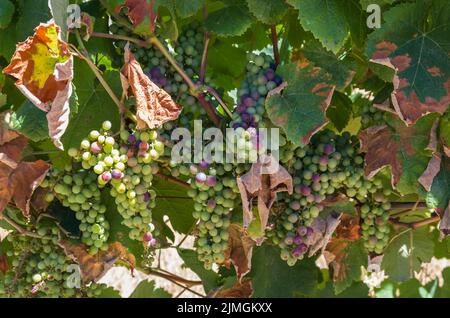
<point x="315" y="178"/>
<point x="131" y="139"/>
<point x="295" y="205"/>
<point x="95" y="147"/>
<point x="328" y="149"/>
<point x="245" y="116"/>
<point x="305" y="190"/>
<point x="106" y="176"/>
<point x="278" y="80"/>
<point x="248" y="102"/>
<point x="298" y="240"/>
<point x="309" y="231"/>
<point x="203" y="164"/>
<point x="147" y="196"/>
<point x="116" y="174"/>
<point x="147" y="237"/>
<point x="155" y="72"/>
<point x="299" y="250"/>
<point x="163" y="81"/>
<point x="200" y="177"/>
<point x="211" y="203"/>
<point x="144" y="145"/>
<point x="240" y="108"/>
<point x="317" y="198"/>
<point x="236" y="125"/>
<point x="211" y="181"/>
<point x="153" y="242"/>
<point x="302" y="230"/>
<point x="255" y="95"/>
<point x="270" y="74"/>
<point x="323" y="161"/>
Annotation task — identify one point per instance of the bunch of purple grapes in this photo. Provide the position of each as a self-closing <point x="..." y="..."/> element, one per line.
<point x="260" y="79"/>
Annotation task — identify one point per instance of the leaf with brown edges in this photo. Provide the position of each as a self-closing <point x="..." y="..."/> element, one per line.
<point x="154" y="106"/>
<point x="93" y="267"/>
<point x="240" y="250"/>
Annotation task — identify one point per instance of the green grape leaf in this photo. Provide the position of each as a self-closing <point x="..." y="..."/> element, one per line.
<point x="94" y="104"/>
<point x="109" y="293"/>
<point x="439" y="194"/>
<point x="414" y="40"/>
<point x="444" y="133"/>
<point x="209" y="278"/>
<point x="58" y="9"/>
<point x="32" y="13"/>
<point x="30" y="121"/>
<point x="269" y="12"/>
<point x="147" y="289"/>
<point x="340" y="110"/>
<point x="366" y="3"/>
<point x="326" y="19"/>
<point x="225" y="58"/>
<point x="356" y="290"/>
<point x="186" y="9"/>
<point x="406" y="252"/>
<point x="341" y="70"/>
<point x="172" y="200"/>
<point x="272" y="277"/>
<point x="229" y="21"/>
<point x="6" y="13"/>
<point x="357" y="22"/>
<point x="400" y="147"/>
<point x="298" y="106"/>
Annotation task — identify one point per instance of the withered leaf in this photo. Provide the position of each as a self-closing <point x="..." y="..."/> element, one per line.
<point x="141" y="13"/>
<point x="18" y="180"/>
<point x="4" y="266"/>
<point x="43" y="67"/>
<point x="240" y="250"/>
<point x="426" y="179"/>
<point x="93" y="267"/>
<point x="265" y="178"/>
<point x="154" y="106"/>
<point x="323" y="231"/>
<point x="239" y="290"/>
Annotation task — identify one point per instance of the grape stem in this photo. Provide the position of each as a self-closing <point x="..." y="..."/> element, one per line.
<point x="276" y="53"/>
<point x="216" y="95"/>
<point x="415" y="225"/>
<point x="18" y="228"/>
<point x="194" y="89"/>
<point x="173" y="180"/>
<point x="177" y="280"/>
<point x="204" y="59"/>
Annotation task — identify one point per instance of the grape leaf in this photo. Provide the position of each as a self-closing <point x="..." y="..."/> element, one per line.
<point x="365" y="3"/>
<point x="341" y="70"/>
<point x="6" y="134"/>
<point x="272" y="277"/>
<point x="147" y="289"/>
<point x="304" y="98"/>
<point x="18" y="180"/>
<point x="154" y="106"/>
<point x="172" y="200"/>
<point x="93" y="267"/>
<point x="400" y="147"/>
<point x="32" y="13"/>
<point x="413" y="39"/>
<point x="210" y="279"/>
<point x="43" y="67"/>
<point x="30" y="121"/>
<point x="186" y="9"/>
<point x="326" y="19"/>
<point x="444" y="133"/>
<point x="6" y="13"/>
<point x="229" y="21"/>
<point x="240" y="250"/>
<point x="238" y="290"/>
<point x="225" y="58"/>
<point x="94" y="104"/>
<point x="269" y="12"/>
<point x="142" y="13"/>
<point x="340" y="110"/>
<point x="406" y="252"/>
<point x="58" y="8"/>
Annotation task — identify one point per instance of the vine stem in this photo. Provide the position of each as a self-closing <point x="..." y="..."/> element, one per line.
<point x="173" y="180"/>
<point x="216" y="95"/>
<point x="204" y="59"/>
<point x="192" y="86"/>
<point x="417" y="224"/>
<point x="177" y="280"/>
<point x="276" y="53"/>
<point x="18" y="228"/>
<point x="84" y="55"/>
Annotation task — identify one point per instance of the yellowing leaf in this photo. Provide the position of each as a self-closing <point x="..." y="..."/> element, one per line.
<point x="43" y="67"/>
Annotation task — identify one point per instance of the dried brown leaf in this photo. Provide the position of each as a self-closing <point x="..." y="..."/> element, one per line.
<point x="154" y="106"/>
<point x="93" y="267"/>
<point x="6" y="134"/>
<point x="265" y="178"/>
<point x="323" y="231"/>
<point x="239" y="290"/>
<point x="240" y="250"/>
<point x="434" y="165"/>
<point x="4" y="266"/>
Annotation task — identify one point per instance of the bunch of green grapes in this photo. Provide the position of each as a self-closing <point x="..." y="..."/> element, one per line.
<point x="215" y="194"/>
<point x="78" y="190"/>
<point x="39" y="268"/>
<point x="328" y="165"/>
<point x="375" y="224"/>
<point x="260" y="79"/>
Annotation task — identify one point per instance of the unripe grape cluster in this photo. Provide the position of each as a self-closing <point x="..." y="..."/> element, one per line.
<point x="260" y="78"/>
<point x="215" y="194"/>
<point x="328" y="165"/>
<point x="375" y="228"/>
<point x="78" y="190"/>
<point x="40" y="268"/>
